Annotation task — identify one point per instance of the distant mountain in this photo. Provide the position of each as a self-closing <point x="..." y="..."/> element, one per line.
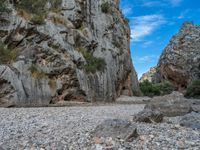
<point x="149" y="75"/>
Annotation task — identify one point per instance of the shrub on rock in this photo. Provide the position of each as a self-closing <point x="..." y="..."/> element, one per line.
<point x="193" y="90"/>
<point x="7" y="55"/>
<point x="3" y="8"/>
<point x="105" y="7"/>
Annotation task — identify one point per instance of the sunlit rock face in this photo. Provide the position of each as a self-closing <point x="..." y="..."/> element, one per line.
<point x="77" y="50"/>
<point x="180" y="61"/>
<point x="149" y="75"/>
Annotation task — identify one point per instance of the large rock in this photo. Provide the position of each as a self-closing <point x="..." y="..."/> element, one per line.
<point x="116" y="128"/>
<point x="148" y="116"/>
<point x="79" y="53"/>
<point x="180" y="61"/>
<point x="191" y="120"/>
<point x="171" y="105"/>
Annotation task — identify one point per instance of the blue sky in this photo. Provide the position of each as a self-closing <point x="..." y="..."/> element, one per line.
<point x="153" y="23"/>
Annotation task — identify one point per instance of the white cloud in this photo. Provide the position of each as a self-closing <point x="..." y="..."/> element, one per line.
<point x="147" y="43"/>
<point x="175" y="2"/>
<point x="127" y="10"/>
<point x="183" y="14"/>
<point x="159" y="3"/>
<point x="146" y="59"/>
<point x="145" y="25"/>
<point x="153" y="3"/>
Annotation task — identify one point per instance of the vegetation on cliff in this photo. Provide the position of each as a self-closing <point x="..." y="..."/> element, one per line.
<point x="7" y="55"/>
<point x="93" y="64"/>
<point x="3" y="7"/>
<point x="38" y="9"/>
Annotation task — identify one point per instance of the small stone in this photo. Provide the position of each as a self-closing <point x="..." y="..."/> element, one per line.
<point x="110" y="142"/>
<point x="97" y="140"/>
<point x="99" y="147"/>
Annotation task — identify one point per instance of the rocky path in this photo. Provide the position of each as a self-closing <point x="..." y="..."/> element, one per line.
<point x="69" y="128"/>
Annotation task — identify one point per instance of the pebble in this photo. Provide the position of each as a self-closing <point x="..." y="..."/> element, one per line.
<point x="69" y="128"/>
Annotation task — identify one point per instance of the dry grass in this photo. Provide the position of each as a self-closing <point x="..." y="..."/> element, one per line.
<point x="58" y="19"/>
<point x="24" y="14"/>
<point x="52" y="84"/>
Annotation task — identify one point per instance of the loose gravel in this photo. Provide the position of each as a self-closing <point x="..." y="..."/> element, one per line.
<point x="69" y="128"/>
<point x="55" y="127"/>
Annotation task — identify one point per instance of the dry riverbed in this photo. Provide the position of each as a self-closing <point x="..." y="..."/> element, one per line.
<point x="70" y="127"/>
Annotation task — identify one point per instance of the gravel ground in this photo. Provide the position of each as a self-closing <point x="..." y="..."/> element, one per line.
<point x="55" y="127"/>
<point x="69" y="128"/>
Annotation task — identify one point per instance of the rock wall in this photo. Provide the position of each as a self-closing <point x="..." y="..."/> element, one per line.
<point x="78" y="51"/>
<point x="149" y="75"/>
<point x="180" y="61"/>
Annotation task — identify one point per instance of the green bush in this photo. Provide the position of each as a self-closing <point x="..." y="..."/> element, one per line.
<point x="97" y="64"/>
<point x="93" y="64"/>
<point x="105" y="7"/>
<point x="38" y="19"/>
<point x="3" y="7"/>
<point x="150" y="89"/>
<point x="32" y="6"/>
<point x="193" y="90"/>
<point x="165" y="87"/>
<point x="7" y="55"/>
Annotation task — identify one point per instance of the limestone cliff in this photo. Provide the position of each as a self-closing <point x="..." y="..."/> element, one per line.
<point x="180" y="61"/>
<point x="149" y="75"/>
<point x="63" y="50"/>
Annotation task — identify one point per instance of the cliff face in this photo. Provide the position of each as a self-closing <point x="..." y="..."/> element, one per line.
<point x="180" y="61"/>
<point x="149" y="75"/>
<point x="64" y="50"/>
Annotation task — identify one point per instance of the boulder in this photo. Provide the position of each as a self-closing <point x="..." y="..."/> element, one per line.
<point x="191" y="120"/>
<point x="170" y="105"/>
<point x="148" y="116"/>
<point x="116" y="128"/>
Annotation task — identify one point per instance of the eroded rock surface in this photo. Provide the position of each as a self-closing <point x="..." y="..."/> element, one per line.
<point x="191" y="120"/>
<point x="115" y="128"/>
<point x="170" y="105"/>
<point x="180" y="61"/>
<point x="149" y="75"/>
<point x="174" y="104"/>
<point x="149" y="116"/>
<point x="76" y="53"/>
